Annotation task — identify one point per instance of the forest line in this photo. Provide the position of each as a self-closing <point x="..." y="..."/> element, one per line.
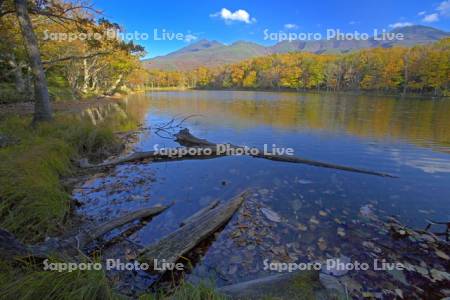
<point x="422" y="69"/>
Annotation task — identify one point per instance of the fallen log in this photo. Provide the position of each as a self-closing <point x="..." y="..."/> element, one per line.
<point x="154" y="156"/>
<point x="308" y="284"/>
<point x="185" y="138"/>
<point x="196" y="145"/>
<point x="11" y="248"/>
<point x="86" y="236"/>
<point x="173" y="246"/>
<point x="200" y="213"/>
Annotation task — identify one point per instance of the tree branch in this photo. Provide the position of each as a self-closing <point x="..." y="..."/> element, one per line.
<point x="74" y="57"/>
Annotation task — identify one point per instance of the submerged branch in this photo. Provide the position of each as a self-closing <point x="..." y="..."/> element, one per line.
<point x="11" y="248"/>
<point x="205" y="149"/>
<point x="184" y="137"/>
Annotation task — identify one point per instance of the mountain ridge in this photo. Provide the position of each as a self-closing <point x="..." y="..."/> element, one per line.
<point x="213" y="53"/>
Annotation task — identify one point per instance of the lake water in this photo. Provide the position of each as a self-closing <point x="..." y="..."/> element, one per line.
<point x="409" y="138"/>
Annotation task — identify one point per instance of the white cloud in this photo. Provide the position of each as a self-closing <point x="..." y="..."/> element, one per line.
<point x="431" y="18"/>
<point x="421" y="13"/>
<point x="444" y="8"/>
<point x="239" y="15"/>
<point x="189" y="38"/>
<point x="400" y="24"/>
<point x="353" y="23"/>
<point x="290" y="26"/>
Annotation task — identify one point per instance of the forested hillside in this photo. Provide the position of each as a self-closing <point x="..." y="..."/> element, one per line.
<point x="420" y="69"/>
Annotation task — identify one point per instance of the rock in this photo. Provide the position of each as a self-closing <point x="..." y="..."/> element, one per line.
<point x="366" y="210"/>
<point x="334" y="269"/>
<point x="296" y="204"/>
<point x="322" y="244"/>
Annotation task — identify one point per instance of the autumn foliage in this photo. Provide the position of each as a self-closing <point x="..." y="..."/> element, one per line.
<point x="421" y="69"/>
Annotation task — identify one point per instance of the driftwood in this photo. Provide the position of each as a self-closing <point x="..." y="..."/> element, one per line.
<point x="198" y="214"/>
<point x="185" y="138"/>
<point x="308" y="284"/>
<point x="173" y="246"/>
<point x="151" y="156"/>
<point x="86" y="236"/>
<point x="11" y="248"/>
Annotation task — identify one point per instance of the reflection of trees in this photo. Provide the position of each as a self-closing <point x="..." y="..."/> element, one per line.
<point x="418" y="121"/>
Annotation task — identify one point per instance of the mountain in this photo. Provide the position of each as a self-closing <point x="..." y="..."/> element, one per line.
<point x="413" y="35"/>
<point x="208" y="54"/>
<point x="212" y="53"/>
<point x="420" y="34"/>
<point x="198" y="46"/>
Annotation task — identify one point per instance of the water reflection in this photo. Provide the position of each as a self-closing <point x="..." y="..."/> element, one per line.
<point x="422" y="122"/>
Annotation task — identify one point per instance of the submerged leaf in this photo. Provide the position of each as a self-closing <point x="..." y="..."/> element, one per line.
<point x="271" y="215"/>
<point x="341" y="231"/>
<point x="302" y="227"/>
<point x="442" y="254"/>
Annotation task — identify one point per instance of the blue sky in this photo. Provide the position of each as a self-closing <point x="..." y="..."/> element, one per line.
<point x="228" y="21"/>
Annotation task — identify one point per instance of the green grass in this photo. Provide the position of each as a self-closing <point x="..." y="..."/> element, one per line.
<point x="188" y="291"/>
<point x="32" y="282"/>
<point x="9" y="94"/>
<point x="59" y="88"/>
<point x="33" y="203"/>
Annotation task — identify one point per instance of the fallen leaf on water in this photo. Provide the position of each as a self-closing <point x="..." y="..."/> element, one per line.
<point x="271" y="215"/>
<point x="442" y="254"/>
<point x="302" y="227"/>
<point x="313" y="220"/>
<point x="399" y="293"/>
<point x="439" y="275"/>
<point x="232" y="270"/>
<point x="337" y="221"/>
<point x="341" y="231"/>
<point x="322" y="213"/>
<point x="301" y="181"/>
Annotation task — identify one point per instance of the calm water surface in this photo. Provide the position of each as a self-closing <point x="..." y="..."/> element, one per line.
<point x="406" y="137"/>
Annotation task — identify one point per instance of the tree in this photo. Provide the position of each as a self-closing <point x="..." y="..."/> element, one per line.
<point x="250" y="80"/>
<point x="42" y="107"/>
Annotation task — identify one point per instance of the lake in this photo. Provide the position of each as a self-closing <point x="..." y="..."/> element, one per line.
<point x="409" y="138"/>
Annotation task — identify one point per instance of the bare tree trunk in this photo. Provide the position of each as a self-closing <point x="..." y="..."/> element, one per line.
<point x="19" y="81"/>
<point x="85" y="87"/>
<point x="42" y="108"/>
<point x="115" y="85"/>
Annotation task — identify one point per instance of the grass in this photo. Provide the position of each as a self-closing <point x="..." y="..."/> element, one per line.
<point x="9" y="94"/>
<point x="33" y="203"/>
<point x="187" y="291"/>
<point x="59" y="88"/>
<point x="32" y="282"/>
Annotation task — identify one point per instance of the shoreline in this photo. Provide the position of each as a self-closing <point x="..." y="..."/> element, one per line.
<point x="313" y="91"/>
